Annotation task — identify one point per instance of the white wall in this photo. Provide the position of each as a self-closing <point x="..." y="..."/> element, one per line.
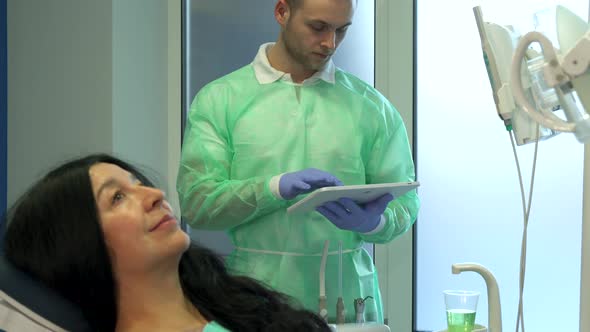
<point x="145" y="128"/>
<point x="356" y="53"/>
<point x="92" y="76"/>
<point x="59" y="85"/>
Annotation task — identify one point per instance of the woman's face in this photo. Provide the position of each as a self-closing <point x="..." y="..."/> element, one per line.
<point x="140" y="229"/>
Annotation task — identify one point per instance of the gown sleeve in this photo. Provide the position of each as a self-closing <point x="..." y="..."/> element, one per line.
<point x="209" y="197"/>
<point x="391" y="161"/>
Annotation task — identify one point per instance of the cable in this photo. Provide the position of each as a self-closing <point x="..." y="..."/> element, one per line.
<point x="339" y="268"/>
<point x="510" y="133"/>
<point x="526" y="212"/>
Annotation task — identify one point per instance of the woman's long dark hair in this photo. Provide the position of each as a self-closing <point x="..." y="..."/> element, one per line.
<point x="54" y="234"/>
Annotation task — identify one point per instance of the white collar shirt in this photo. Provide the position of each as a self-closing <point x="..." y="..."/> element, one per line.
<point x="265" y="73"/>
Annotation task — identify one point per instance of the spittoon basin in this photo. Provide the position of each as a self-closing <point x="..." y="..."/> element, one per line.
<point x="478" y="328"/>
<point x="359" y="327"/>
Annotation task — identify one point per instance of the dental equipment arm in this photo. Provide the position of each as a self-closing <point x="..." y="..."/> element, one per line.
<point x="570" y="75"/>
<point x="494" y="311"/>
<point x="552" y="70"/>
<point x="501" y="90"/>
<point x="576" y="62"/>
<point x="497" y="44"/>
<point x="585" y="260"/>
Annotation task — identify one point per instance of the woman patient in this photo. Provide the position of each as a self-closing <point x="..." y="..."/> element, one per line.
<point x="97" y="231"/>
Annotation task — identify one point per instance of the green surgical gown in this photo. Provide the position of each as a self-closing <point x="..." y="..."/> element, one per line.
<point x="240" y="133"/>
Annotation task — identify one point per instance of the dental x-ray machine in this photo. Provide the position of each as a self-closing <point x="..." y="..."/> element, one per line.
<point x="531" y="84"/>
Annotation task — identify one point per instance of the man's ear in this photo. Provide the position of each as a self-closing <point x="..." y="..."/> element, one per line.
<point x="282" y="12"/>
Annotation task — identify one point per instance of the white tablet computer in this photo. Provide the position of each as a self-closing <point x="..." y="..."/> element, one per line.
<point x="359" y="193"/>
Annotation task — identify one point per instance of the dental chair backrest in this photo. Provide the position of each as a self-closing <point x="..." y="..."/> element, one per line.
<point x="27" y="305"/>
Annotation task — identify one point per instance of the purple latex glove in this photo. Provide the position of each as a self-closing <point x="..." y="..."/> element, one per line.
<point x="348" y="215"/>
<point x="304" y="181"/>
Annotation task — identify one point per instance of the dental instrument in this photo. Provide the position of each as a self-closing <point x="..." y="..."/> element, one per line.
<point x="359" y="309"/>
<point x="340" y="302"/>
<point x="323" y="301"/>
<point x="563" y="73"/>
<point x="568" y="77"/>
<point x="498" y="44"/>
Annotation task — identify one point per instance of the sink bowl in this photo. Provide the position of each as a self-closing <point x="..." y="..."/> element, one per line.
<point x="478" y="328"/>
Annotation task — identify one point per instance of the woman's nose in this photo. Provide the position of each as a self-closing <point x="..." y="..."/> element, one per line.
<point x="153" y="197"/>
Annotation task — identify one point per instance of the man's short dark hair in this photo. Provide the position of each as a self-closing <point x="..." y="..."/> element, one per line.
<point x="294" y="4"/>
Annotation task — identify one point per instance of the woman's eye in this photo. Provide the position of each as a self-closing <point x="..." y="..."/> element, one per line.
<point x="317" y="27"/>
<point x="117" y="197"/>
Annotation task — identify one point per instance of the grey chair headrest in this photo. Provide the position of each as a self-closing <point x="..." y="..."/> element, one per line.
<point x="40" y="299"/>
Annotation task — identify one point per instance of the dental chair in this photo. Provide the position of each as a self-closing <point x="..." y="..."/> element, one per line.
<point x="27" y="305"/>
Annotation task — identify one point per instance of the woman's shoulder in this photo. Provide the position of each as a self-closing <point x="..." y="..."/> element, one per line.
<point x="213" y="326"/>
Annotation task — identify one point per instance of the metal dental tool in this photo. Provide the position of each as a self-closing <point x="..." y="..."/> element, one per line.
<point x="323" y="308"/>
<point x="359" y="309"/>
<point x="340" y="302"/>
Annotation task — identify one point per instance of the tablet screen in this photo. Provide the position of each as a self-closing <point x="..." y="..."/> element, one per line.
<point x="358" y="193"/>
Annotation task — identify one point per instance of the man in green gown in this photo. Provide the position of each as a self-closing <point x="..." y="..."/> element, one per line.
<point x="286" y="124"/>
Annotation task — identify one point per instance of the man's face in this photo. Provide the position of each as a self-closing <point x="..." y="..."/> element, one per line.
<point x="313" y="31"/>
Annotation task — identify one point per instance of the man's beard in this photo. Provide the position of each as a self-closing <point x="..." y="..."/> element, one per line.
<point x="300" y="58"/>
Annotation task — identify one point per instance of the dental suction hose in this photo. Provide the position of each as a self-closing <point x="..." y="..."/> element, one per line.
<point x="494" y="311"/>
<point x="323" y="300"/>
<point x="340" y="303"/>
<point x="546" y="119"/>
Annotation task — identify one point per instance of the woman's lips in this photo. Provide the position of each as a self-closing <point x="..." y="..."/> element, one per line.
<point x="165" y="219"/>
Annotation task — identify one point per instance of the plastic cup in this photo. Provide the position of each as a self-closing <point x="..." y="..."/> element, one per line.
<point x="461" y="307"/>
